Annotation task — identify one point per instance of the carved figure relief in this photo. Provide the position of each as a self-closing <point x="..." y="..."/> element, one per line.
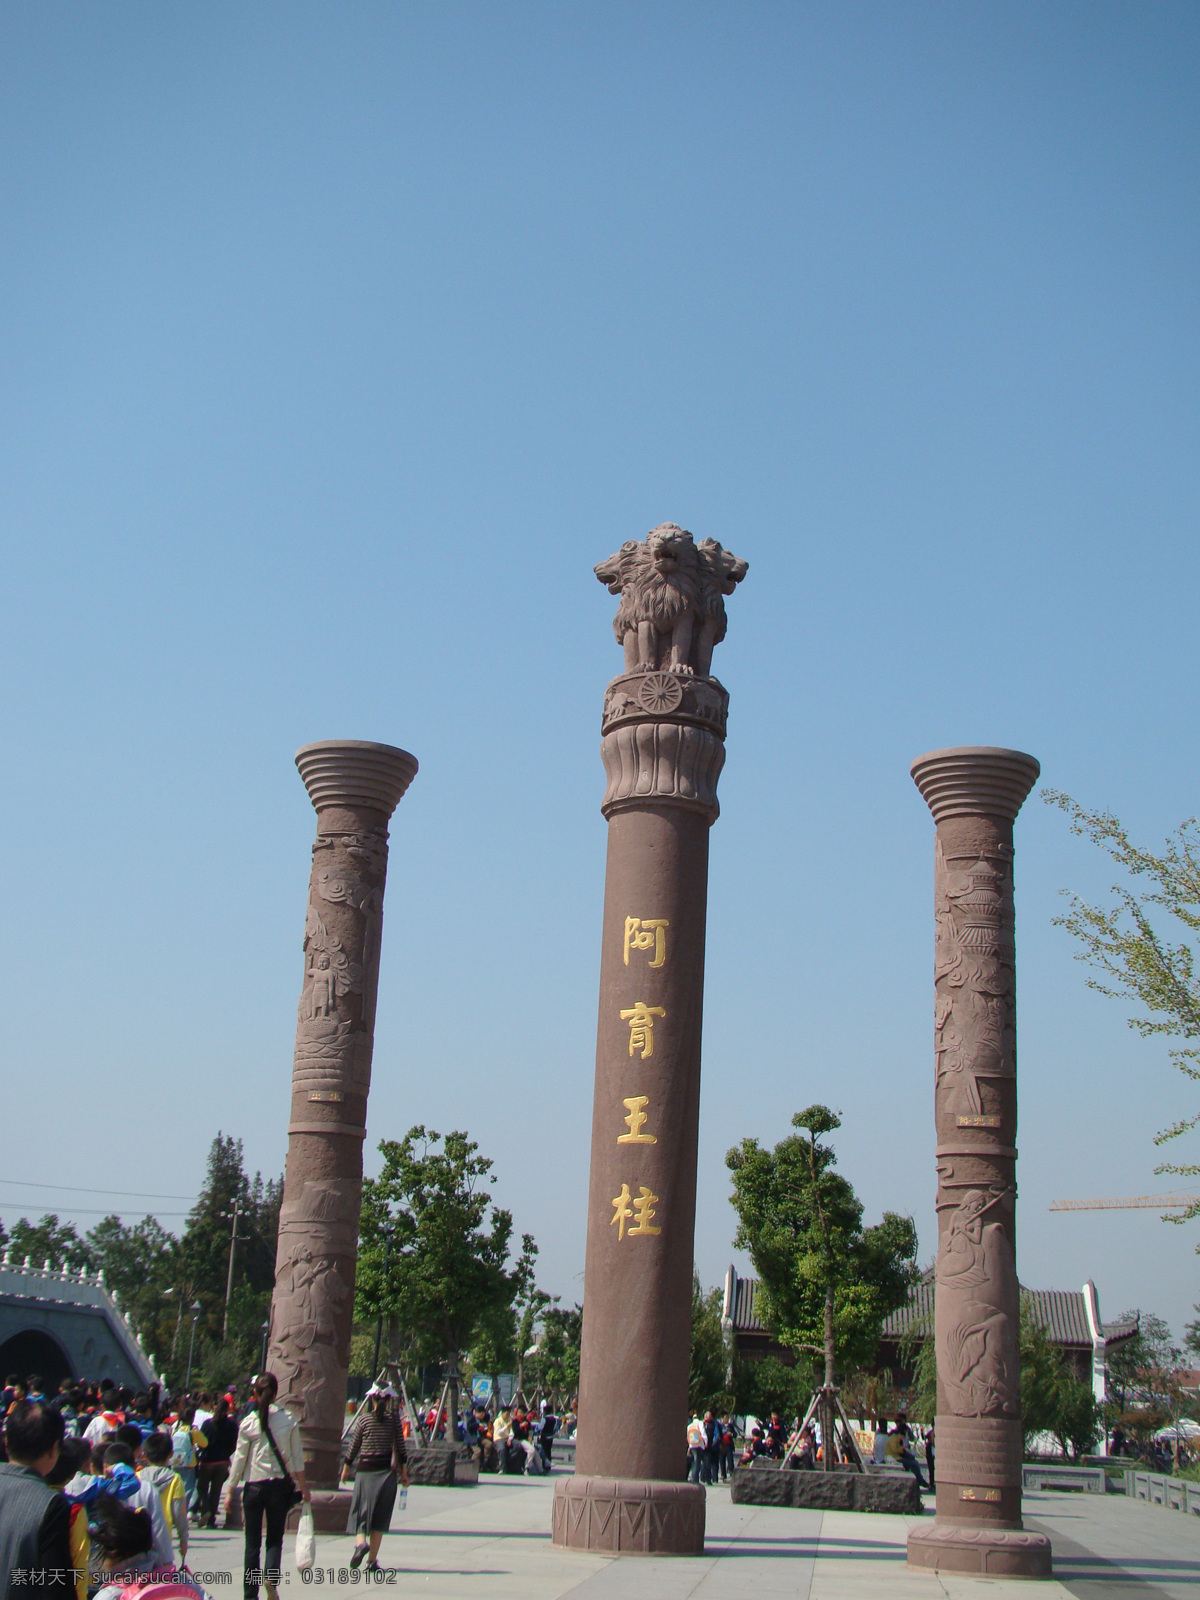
<point x="328" y="970"/>
<point x="979" y="1364"/>
<point x="309" y="1301"/>
<point x="672" y="610"/>
<point x="974" y="979"/>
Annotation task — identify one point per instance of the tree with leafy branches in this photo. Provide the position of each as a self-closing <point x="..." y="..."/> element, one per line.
<point x="826" y="1283"/>
<point x="447" y="1273"/>
<point x="1143" y="945"/>
<point x="1053" y="1399"/>
<point x="770" y="1384"/>
<point x="157" y="1277"/>
<point x="558" y="1353"/>
<point x="507" y="1334"/>
<point x="708" y="1374"/>
<point x="202" y="1265"/>
<point x="1145" y="1390"/>
<point x="48" y="1240"/>
<point x="139" y="1263"/>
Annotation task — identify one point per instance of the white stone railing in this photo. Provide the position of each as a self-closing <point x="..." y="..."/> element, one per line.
<point x="1177" y="1494"/>
<point x="64" y="1286"/>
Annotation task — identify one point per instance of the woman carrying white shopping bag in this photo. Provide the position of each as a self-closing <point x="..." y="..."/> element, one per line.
<point x="306" y="1541"/>
<point x="270" y="1458"/>
<point x="376" y="1451"/>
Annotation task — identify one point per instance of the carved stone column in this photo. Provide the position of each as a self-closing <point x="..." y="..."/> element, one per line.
<point x="354" y="787"/>
<point x="663" y="747"/>
<point x="975" y="794"/>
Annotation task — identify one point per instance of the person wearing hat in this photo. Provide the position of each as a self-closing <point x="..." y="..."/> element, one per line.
<point x="376" y="1450"/>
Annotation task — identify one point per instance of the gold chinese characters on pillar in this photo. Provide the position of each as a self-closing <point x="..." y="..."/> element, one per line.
<point x="634" y="1208"/>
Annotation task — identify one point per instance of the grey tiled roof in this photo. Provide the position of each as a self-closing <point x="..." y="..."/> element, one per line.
<point x="1060" y="1311"/>
<point x="744" y="1318"/>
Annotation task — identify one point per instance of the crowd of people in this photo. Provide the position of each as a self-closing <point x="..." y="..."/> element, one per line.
<point x="711" y="1446"/>
<point x="100" y="1486"/>
<point x="514" y="1439"/>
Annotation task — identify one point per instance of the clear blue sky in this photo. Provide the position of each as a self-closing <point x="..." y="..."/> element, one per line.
<point x="340" y="342"/>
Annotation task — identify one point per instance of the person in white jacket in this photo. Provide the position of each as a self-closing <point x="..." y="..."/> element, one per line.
<point x="269" y="1457"/>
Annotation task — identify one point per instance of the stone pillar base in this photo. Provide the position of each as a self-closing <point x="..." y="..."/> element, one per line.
<point x="980" y="1548"/>
<point x="629" y="1516"/>
<point x="330" y="1509"/>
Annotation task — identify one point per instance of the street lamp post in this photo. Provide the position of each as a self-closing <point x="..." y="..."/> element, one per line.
<point x="237" y="1214"/>
<point x="266" y="1333"/>
<point x="196" y="1310"/>
<point x="178" y="1318"/>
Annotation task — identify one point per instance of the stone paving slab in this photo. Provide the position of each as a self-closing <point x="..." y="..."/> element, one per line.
<point x="1113" y="1548"/>
<point x="493" y="1543"/>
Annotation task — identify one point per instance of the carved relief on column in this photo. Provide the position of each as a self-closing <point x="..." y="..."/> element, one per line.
<point x="354" y="787"/>
<point x="664" y="718"/>
<point x="974" y="795"/>
<point x="975" y="1054"/>
<point x="662" y="761"/>
<point x="342" y="929"/>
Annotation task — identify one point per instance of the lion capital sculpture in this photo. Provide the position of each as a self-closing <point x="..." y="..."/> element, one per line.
<point x="672" y="610"/>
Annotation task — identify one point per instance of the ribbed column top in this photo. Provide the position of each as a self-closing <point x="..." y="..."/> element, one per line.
<point x="975" y="780"/>
<point x="355" y="772"/>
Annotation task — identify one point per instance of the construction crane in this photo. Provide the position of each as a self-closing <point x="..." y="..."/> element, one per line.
<point x="1147" y="1202"/>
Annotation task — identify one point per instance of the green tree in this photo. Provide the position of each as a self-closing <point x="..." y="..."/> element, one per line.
<point x="761" y="1387"/>
<point x="49" y="1240"/>
<point x="509" y="1330"/>
<point x="923" y="1395"/>
<point x="558" y="1354"/>
<point x="1143" y="1382"/>
<point x="139" y="1264"/>
<point x="203" y="1266"/>
<point x="1191" y="1334"/>
<point x="826" y="1283"/>
<point x="1041" y="1371"/>
<point x="530" y="1304"/>
<point x="447" y="1271"/>
<point x="1053" y="1399"/>
<point x="708" y="1375"/>
<point x="1143" y="944"/>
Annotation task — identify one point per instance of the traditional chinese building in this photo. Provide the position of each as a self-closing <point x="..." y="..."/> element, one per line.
<point x="1071" y="1318"/>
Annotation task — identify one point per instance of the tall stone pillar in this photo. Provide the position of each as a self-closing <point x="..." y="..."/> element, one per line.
<point x="663" y="748"/>
<point x="354" y="787"/>
<point x="975" y="794"/>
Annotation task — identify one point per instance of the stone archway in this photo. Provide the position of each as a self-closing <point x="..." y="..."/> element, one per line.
<point x="34" y="1351"/>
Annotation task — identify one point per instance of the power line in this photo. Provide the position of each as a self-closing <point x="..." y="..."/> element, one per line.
<point x="65" y="1188"/>
<point x="99" y="1211"/>
<point x="1148" y="1202"/>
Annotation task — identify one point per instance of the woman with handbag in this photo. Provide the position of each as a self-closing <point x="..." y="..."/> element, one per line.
<point x="269" y="1457"/>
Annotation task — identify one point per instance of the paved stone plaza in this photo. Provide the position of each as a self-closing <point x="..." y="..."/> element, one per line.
<point x="493" y="1542"/>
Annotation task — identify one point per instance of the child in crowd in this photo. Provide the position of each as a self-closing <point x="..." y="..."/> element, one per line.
<point x="171" y="1493"/>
